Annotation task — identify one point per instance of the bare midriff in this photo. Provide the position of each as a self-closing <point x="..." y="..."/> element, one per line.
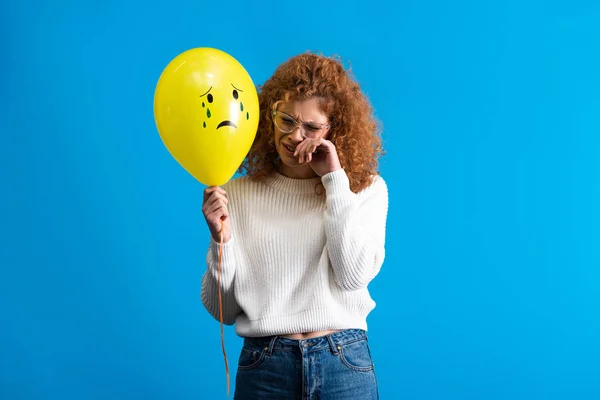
<point x="308" y="335"/>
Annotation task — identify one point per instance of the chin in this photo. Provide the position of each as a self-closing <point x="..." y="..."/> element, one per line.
<point x="287" y="160"/>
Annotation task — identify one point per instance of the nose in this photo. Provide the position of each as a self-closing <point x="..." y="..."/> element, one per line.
<point x="296" y="135"/>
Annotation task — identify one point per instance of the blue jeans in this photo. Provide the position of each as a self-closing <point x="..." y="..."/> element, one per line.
<point x="336" y="366"/>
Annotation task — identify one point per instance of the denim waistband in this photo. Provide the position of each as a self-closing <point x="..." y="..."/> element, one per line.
<point x="333" y="341"/>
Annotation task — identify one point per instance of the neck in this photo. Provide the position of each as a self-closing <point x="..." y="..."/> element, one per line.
<point x="299" y="172"/>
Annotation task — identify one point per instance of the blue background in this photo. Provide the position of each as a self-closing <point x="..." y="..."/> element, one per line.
<point x="491" y="286"/>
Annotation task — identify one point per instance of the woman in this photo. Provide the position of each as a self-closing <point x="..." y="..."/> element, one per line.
<point x="303" y="235"/>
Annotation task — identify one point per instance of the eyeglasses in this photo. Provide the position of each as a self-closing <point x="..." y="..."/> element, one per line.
<point x="287" y="124"/>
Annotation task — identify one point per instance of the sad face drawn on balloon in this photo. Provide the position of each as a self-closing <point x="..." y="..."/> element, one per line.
<point x="227" y="108"/>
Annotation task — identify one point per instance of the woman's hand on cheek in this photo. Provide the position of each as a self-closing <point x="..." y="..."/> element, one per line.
<point x="320" y="154"/>
<point x="306" y="148"/>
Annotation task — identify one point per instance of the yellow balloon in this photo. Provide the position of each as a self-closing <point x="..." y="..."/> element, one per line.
<point x="206" y="111"/>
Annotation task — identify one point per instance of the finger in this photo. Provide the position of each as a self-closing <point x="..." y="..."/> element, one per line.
<point x="214" y="212"/>
<point x="218" y="215"/>
<point x="213" y="189"/>
<point x="221" y="196"/>
<point x="299" y="151"/>
<point x="320" y="144"/>
<point x="216" y="196"/>
<point x="211" y="207"/>
<point x="312" y="146"/>
<point x="216" y="226"/>
<point x="301" y="146"/>
<point x="298" y="148"/>
<point x="225" y="214"/>
<point x="306" y="153"/>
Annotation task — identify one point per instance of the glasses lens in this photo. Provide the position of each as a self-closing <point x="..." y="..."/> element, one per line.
<point x="287" y="124"/>
<point x="312" y="130"/>
<point x="284" y="122"/>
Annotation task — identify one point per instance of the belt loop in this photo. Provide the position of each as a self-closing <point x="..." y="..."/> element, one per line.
<point x="334" y="347"/>
<point x="271" y="345"/>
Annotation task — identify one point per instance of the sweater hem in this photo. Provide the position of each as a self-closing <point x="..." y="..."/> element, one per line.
<point x="313" y="320"/>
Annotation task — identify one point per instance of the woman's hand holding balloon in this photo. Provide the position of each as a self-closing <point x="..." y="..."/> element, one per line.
<point x="215" y="212"/>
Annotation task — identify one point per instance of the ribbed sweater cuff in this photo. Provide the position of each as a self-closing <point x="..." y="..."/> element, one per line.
<point x="227" y="250"/>
<point x="336" y="182"/>
<point x="337" y="187"/>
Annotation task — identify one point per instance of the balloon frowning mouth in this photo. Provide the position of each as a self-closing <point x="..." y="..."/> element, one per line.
<point x="226" y="123"/>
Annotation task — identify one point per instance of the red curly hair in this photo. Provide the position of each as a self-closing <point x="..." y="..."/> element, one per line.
<point x="353" y="129"/>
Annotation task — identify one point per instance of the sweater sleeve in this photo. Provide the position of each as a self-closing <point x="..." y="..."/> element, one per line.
<point x="355" y="229"/>
<point x="209" y="293"/>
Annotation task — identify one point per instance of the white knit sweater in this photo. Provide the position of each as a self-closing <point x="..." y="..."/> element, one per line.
<point x="298" y="261"/>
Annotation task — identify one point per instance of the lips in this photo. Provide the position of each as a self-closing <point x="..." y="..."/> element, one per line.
<point x="226" y="123"/>
<point x="289" y="148"/>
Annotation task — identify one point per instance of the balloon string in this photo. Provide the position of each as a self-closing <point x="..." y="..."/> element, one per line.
<point x="221" y="310"/>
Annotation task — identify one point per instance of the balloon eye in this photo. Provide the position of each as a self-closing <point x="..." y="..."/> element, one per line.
<point x="235" y="94"/>
<point x="210" y="98"/>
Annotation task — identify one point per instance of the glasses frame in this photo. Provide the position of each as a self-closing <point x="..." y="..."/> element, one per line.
<point x="323" y="127"/>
